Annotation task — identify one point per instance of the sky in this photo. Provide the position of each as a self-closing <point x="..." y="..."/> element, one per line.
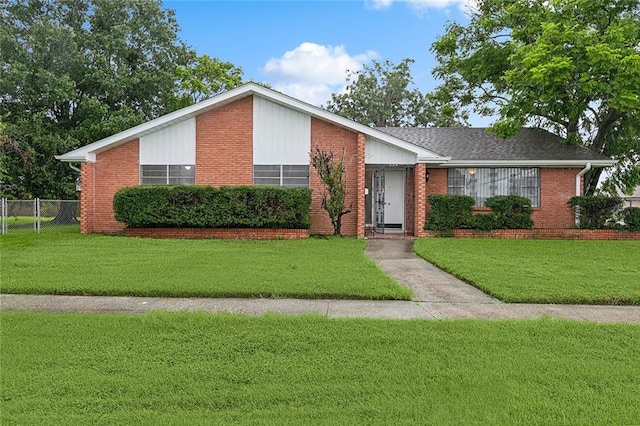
<point x="304" y="48"/>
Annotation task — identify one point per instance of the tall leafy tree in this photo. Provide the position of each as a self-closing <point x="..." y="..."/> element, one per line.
<point x="383" y="95"/>
<point x="569" y="66"/>
<point x="75" y="71"/>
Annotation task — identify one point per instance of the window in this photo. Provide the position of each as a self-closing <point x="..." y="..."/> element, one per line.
<point x="482" y="183"/>
<point x="291" y="176"/>
<point x="168" y="174"/>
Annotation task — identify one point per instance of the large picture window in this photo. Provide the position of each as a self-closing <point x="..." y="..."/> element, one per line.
<point x="168" y="174"/>
<point x="291" y="176"/>
<point x="482" y="183"/>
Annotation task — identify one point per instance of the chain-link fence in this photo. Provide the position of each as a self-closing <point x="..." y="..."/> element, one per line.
<point x="35" y="215"/>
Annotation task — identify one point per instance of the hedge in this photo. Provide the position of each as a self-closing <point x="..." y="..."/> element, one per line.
<point x="507" y="212"/>
<point x="208" y="207"/>
<point x="631" y="218"/>
<point x="595" y="210"/>
<point x="450" y="212"/>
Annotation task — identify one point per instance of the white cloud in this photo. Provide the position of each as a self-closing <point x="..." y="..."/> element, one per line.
<point x="421" y="6"/>
<point x="311" y="72"/>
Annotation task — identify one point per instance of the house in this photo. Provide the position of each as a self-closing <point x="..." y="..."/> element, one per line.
<point x="252" y="135"/>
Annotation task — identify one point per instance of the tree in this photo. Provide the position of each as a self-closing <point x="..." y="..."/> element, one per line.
<point x="331" y="172"/>
<point x="75" y="71"/>
<point x="383" y="95"/>
<point x="203" y="78"/>
<point x="569" y="66"/>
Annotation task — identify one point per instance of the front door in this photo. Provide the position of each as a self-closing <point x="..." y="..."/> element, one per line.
<point x="388" y="200"/>
<point x="394" y="199"/>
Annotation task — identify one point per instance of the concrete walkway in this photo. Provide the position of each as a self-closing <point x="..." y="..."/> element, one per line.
<point x="437" y="295"/>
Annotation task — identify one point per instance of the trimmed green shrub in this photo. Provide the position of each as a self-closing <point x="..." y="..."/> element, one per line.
<point x="485" y="221"/>
<point x="450" y="212"/>
<point x="595" y="210"/>
<point x="631" y="218"/>
<point x="510" y="212"/>
<point x="208" y="207"/>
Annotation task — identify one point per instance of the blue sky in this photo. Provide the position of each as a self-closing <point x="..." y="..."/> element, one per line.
<point x="303" y="48"/>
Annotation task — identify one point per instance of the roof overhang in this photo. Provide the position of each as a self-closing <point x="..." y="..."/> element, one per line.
<point x="529" y="163"/>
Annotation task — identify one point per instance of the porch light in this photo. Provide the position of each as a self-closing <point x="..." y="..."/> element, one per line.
<point x="472" y="171"/>
<point x="426" y="176"/>
<point x="187" y="167"/>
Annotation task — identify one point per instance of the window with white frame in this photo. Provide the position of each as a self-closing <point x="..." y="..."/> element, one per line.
<point x="168" y="174"/>
<point x="291" y="176"/>
<point x="483" y="183"/>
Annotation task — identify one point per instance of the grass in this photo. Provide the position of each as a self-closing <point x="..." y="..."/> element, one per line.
<point x="181" y="368"/>
<point x="539" y="271"/>
<point x="66" y="262"/>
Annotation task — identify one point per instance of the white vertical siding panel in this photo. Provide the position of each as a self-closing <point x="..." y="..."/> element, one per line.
<point x="378" y="152"/>
<point x="281" y="135"/>
<point x="175" y="144"/>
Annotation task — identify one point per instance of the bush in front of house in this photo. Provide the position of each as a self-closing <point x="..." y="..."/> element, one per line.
<point x="595" y="210"/>
<point x="209" y="207"/>
<point x="631" y="218"/>
<point x="450" y="212"/>
<point x="508" y="212"/>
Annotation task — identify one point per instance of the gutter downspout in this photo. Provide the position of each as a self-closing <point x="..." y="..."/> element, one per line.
<point x="79" y="171"/>
<point x="578" y="192"/>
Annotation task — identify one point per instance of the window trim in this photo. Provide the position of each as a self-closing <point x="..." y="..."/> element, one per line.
<point x="167" y="176"/>
<point x="281" y="175"/>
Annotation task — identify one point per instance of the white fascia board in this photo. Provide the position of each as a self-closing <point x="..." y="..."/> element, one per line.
<point x="530" y="163"/>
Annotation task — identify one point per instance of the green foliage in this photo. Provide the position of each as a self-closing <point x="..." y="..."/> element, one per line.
<point x="569" y="66"/>
<point x="485" y="221"/>
<point x="40" y="264"/>
<point x="208" y="207"/>
<point x="510" y="212"/>
<point x="384" y="95"/>
<point x="197" y="368"/>
<point x="541" y="271"/>
<point x="450" y="212"/>
<point x="595" y="210"/>
<point x="74" y="72"/>
<point x="331" y="173"/>
<point x="631" y="218"/>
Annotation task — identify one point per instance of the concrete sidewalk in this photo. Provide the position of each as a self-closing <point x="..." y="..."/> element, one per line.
<point x="437" y="295"/>
<point x="330" y="308"/>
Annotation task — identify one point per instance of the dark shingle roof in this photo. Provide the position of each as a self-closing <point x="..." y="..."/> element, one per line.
<point x="472" y="143"/>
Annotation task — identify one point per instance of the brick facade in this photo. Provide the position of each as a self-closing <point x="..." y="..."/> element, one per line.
<point x="224" y="147"/>
<point x="224" y="156"/>
<point x="333" y="138"/>
<point x="221" y="233"/>
<point x="115" y="168"/>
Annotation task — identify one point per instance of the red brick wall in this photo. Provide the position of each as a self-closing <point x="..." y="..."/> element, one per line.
<point x="557" y="186"/>
<point x="226" y="233"/>
<point x="113" y="169"/>
<point x="421" y="191"/>
<point x="541" y="234"/>
<point x="330" y="137"/>
<point x="224" y="147"/>
<point x="87" y="179"/>
<point x="360" y="182"/>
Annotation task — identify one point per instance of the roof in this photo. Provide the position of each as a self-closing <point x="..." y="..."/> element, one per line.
<point x="472" y="145"/>
<point x="87" y="153"/>
<point x="449" y="146"/>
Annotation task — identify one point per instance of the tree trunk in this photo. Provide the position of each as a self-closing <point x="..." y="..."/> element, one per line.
<point x="66" y="215"/>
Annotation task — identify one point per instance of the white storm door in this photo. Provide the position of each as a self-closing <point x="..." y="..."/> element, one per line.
<point x="394" y="199"/>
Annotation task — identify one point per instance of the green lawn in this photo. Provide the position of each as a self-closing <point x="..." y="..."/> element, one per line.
<point x="540" y="271"/>
<point x="181" y="368"/>
<point x="69" y="263"/>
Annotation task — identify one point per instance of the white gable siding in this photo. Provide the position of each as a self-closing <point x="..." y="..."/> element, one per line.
<point x="175" y="144"/>
<point x="281" y="135"/>
<point x="378" y="152"/>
